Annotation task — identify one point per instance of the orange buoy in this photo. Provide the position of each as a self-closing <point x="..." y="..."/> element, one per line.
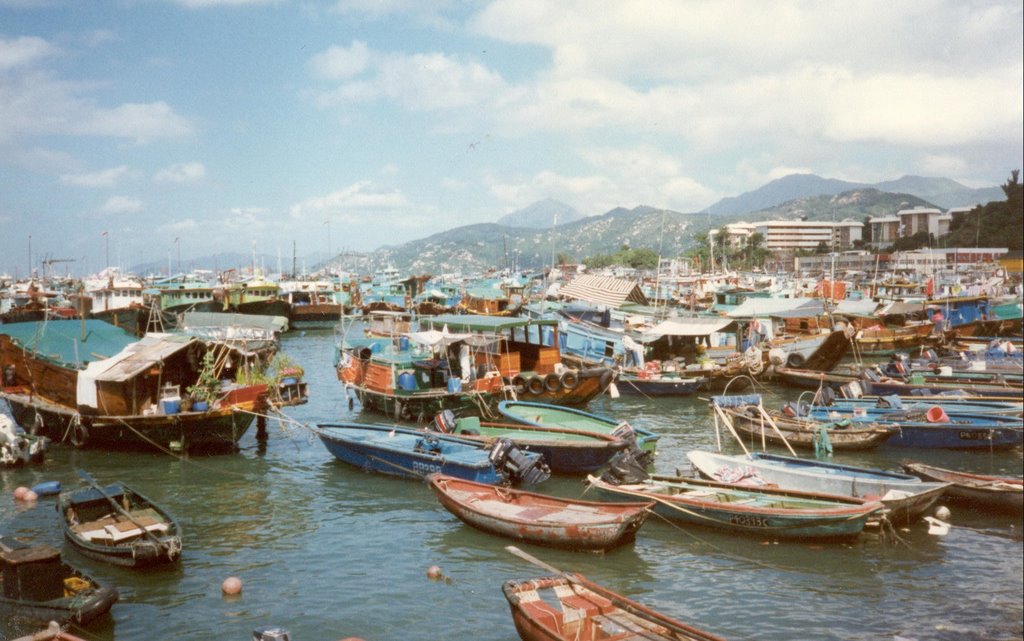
<point x="30" y="496"/>
<point x="19" y="493"/>
<point x="434" y="573"/>
<point x="231" y="586"/>
<point x="936" y="414"/>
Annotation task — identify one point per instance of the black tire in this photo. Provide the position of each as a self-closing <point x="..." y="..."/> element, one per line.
<point x="535" y="385"/>
<point x="795" y="360"/>
<point x="570" y="380"/>
<point x="552" y="383"/>
<point x="519" y="383"/>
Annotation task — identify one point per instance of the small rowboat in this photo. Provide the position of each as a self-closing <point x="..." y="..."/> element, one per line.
<point x="749" y="510"/>
<point x="40" y="587"/>
<point x="409" y="453"/>
<point x="997" y="493"/>
<point x="53" y="632"/>
<point x="118" y="525"/>
<point x="566" y="451"/>
<point x="905" y="497"/>
<point x="804" y="433"/>
<point x="538" y="518"/>
<point x="546" y="415"/>
<point x="569" y="607"/>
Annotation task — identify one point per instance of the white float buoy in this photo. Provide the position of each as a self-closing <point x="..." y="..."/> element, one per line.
<point x="231" y="586"/>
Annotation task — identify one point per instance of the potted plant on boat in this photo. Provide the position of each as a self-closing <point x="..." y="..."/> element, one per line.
<point x="206" y="388"/>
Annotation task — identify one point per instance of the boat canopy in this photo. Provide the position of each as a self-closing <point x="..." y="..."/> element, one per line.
<point x="470" y="323"/>
<point x="604" y="290"/>
<point x="695" y="326"/>
<point x="765" y="307"/>
<point x="69" y="343"/>
<point x="133" y="360"/>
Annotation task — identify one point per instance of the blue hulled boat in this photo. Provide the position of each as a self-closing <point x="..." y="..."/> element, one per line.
<point x="398" y="451"/>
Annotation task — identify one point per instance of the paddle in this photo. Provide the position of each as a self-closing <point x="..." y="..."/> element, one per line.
<point x="96" y="486"/>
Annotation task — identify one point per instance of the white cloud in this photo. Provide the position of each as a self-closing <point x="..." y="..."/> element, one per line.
<point x="97" y="179"/>
<point x="203" y="4"/>
<point x="339" y="63"/>
<point x="944" y="165"/>
<point x="121" y="205"/>
<point x="177" y="227"/>
<point x="143" y="122"/>
<point x="349" y="204"/>
<point x="23" y="52"/>
<point x="182" y="172"/>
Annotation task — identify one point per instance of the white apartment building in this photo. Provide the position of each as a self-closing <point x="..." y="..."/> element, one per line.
<point x="791" y="235"/>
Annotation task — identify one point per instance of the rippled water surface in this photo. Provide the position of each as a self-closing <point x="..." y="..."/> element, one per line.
<point x="327" y="551"/>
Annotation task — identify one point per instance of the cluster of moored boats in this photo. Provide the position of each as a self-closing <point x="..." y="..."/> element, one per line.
<point x="484" y="408"/>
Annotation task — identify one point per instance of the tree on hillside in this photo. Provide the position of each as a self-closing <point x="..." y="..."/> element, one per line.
<point x="754" y="251"/>
<point x="996" y="224"/>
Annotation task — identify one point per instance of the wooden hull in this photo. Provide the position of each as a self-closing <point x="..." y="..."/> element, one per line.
<point x="805" y="434"/>
<point x="889" y="340"/>
<point x="116" y="539"/>
<point x="88" y="604"/>
<point x="540" y="519"/>
<point x="567" y="452"/>
<point x="991" y="493"/>
<point x="813" y="380"/>
<point x="755" y="510"/>
<point x="584" y="609"/>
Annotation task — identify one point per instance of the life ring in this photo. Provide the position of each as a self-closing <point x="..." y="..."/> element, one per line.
<point x="552" y="382"/>
<point x="519" y="383"/>
<point x="570" y="380"/>
<point x="79" y="433"/>
<point x="535" y="385"/>
<point x="795" y="360"/>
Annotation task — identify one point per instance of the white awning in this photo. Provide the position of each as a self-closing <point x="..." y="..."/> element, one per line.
<point x="128" y="363"/>
<point x="604" y="290"/>
<point x="687" y="327"/>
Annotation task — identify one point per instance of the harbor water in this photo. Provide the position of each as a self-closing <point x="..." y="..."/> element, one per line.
<point x="327" y="551"/>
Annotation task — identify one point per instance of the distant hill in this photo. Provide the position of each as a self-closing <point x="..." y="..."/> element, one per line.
<point x="855" y="204"/>
<point x="541" y="215"/>
<point x="942" y="192"/>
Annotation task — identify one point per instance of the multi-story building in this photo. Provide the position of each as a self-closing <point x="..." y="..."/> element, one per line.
<point x="884" y="230"/>
<point x="924" y="219"/>
<point x="787" y="236"/>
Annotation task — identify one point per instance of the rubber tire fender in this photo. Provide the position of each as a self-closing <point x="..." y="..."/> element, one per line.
<point x="80" y="433"/>
<point x="795" y="360"/>
<point x="570" y="380"/>
<point x="519" y="383"/>
<point x="535" y="385"/>
<point x="552" y="383"/>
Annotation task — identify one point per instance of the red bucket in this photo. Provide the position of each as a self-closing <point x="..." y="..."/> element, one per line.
<point x="936" y="414"/>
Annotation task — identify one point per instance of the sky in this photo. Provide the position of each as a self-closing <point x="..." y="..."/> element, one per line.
<point x="148" y="130"/>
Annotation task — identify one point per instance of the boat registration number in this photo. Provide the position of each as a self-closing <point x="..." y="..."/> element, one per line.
<point x="974" y="435"/>
<point x="748" y="520"/>
<point x="425" y="468"/>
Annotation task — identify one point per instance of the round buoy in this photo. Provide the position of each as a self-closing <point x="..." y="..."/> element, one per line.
<point x="19" y="493"/>
<point x="434" y="573"/>
<point x="30" y="496"/>
<point x="942" y="512"/>
<point x="231" y="586"/>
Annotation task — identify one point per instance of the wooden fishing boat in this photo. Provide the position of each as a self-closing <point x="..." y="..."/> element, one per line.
<point x="762" y="511"/>
<point x="570" y="607"/>
<point x="466" y="364"/>
<point x="116" y="524"/>
<point x="547" y="415"/>
<point x="905" y="497"/>
<point x="998" y="493"/>
<point x="38" y="586"/>
<point x="566" y="451"/>
<point x="539" y="518"/>
<point x="949" y="404"/>
<point x="874" y="339"/>
<point x="110" y="390"/>
<point x="409" y="453"/>
<point x="842" y="435"/>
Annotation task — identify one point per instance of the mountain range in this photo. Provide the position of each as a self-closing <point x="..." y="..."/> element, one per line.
<point x="536" y="235"/>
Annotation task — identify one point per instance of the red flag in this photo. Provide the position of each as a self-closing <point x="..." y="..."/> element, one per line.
<point x="929" y="287"/>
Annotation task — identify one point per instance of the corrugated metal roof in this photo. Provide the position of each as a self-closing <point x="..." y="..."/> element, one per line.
<point x="136" y="358"/>
<point x="605" y="290"/>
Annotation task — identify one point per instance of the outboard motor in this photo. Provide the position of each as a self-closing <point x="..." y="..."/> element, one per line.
<point x="827" y="396"/>
<point x="445" y="422"/>
<point x="515" y="467"/>
<point x="9" y="376"/>
<point x="627" y="466"/>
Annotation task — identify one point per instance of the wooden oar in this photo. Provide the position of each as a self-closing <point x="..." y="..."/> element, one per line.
<point x="637" y="609"/>
<point x="91" y="481"/>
